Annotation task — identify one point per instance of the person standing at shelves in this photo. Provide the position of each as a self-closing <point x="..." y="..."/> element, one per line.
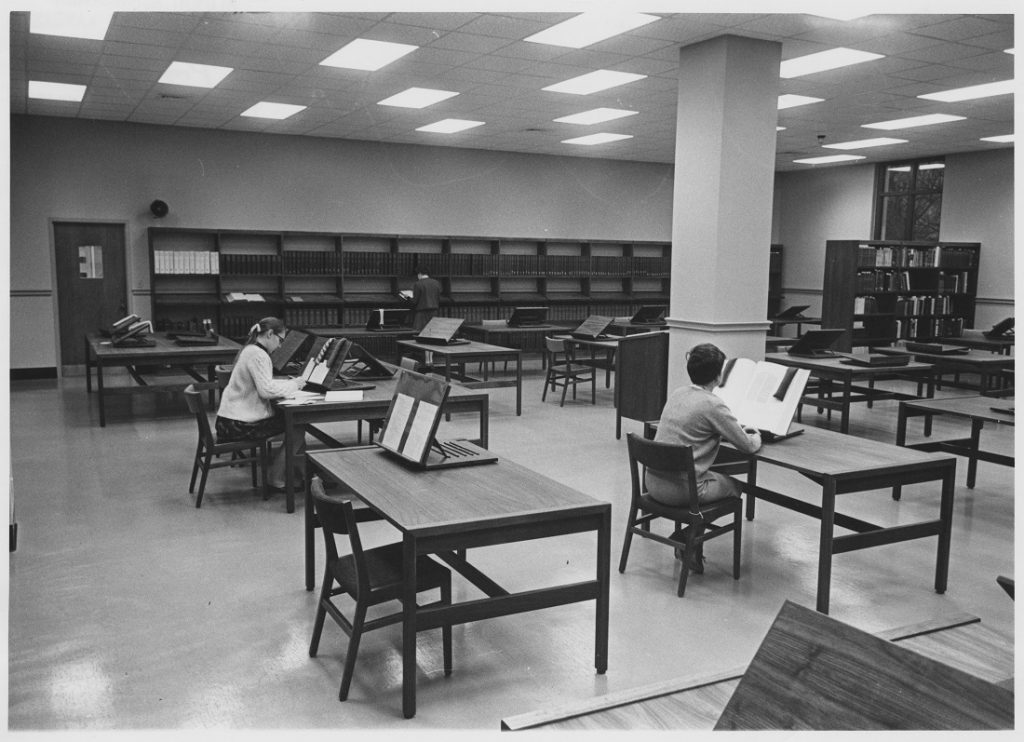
<point x="426" y="299"/>
<point x="245" y="411"/>
<point x="695" y="416"/>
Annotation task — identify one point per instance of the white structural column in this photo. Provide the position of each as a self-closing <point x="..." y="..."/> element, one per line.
<point x="722" y="201"/>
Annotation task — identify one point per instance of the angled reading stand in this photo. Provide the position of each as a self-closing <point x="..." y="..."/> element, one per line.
<point x="815" y="343"/>
<point x="361" y="364"/>
<point x="441" y="331"/>
<point x="763" y="395"/>
<point x="292" y="345"/>
<point x="410" y="428"/>
<point x="649" y="314"/>
<point x="134" y="336"/>
<point x="528" y="316"/>
<point x="592" y="328"/>
<point x="792" y="312"/>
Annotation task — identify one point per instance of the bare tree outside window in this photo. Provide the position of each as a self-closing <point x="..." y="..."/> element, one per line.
<point x="909" y="200"/>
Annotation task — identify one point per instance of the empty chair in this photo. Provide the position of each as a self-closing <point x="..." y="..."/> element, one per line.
<point x="251" y="452"/>
<point x="369" y="577"/>
<point x="643" y="509"/>
<point x="563" y="371"/>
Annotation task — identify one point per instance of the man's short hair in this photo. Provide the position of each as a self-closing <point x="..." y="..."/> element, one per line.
<point x="704" y="362"/>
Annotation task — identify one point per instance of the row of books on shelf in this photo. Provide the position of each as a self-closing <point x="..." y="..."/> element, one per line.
<point x="907" y="306"/>
<point x="954" y="282"/>
<point x="919" y="327"/>
<point x="312" y="316"/>
<point x="487" y="265"/>
<point x="250" y="264"/>
<point x="902" y="256"/>
<point x="186" y="262"/>
<point x="318" y="262"/>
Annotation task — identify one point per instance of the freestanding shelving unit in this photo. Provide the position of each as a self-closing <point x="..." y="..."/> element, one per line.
<point x="775" y="280"/>
<point x="883" y="291"/>
<point x="234" y="277"/>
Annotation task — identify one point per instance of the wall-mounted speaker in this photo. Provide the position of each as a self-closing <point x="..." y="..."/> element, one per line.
<point x="159" y="208"/>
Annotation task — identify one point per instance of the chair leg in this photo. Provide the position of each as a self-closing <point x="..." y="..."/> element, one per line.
<point x="264" y="459"/>
<point x="547" y="383"/>
<point x="446" y="630"/>
<point x="353" y="649"/>
<point x="630" y="520"/>
<point x="737" y="538"/>
<point x="321" y="613"/>
<point x="593" y="387"/>
<point x="195" y="467"/>
<point x="253" y="463"/>
<point x="202" y="480"/>
<point x="565" y="388"/>
<point x="689" y="553"/>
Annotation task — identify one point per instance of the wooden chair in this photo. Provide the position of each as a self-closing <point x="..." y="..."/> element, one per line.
<point x="370" y="577"/>
<point x="252" y="452"/>
<point x="563" y="371"/>
<point x="643" y="509"/>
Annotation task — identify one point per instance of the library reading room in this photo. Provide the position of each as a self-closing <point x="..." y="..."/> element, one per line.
<point x="476" y="371"/>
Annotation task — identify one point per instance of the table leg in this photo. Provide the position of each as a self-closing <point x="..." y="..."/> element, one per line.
<point x="289" y="463"/>
<point x="88" y="367"/>
<point x="604" y="538"/>
<point x="828" y="509"/>
<point x="99" y="391"/>
<point x="519" y="383"/>
<point x="901" y="440"/>
<point x="485" y="423"/>
<point x="309" y="527"/>
<point x="751" y="487"/>
<point x="211" y="376"/>
<point x="448" y="379"/>
<point x="972" y="457"/>
<point x="409" y="626"/>
<point x="946" y="518"/>
<point x="844" y="414"/>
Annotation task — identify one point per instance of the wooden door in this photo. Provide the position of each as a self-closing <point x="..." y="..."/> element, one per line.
<point x="92" y="289"/>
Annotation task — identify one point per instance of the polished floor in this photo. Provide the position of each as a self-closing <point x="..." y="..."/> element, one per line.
<point x="131" y="609"/>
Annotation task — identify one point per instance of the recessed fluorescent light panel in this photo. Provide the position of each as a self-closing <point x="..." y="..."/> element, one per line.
<point x="792" y="101"/>
<point x="450" y="126"/>
<point x="589" y="28"/>
<point x="932" y="166"/>
<point x="987" y="90"/>
<point x="417" y="98"/>
<point x="596" y="116"/>
<point x="366" y="54"/>
<point x="841" y="16"/>
<point x="602" y="138"/>
<point x="194" y="75"/>
<point x="79" y="24"/>
<point x="1001" y="139"/>
<point x="593" y="82"/>
<point x="863" y="143"/>
<point x="829" y="159"/>
<point x="826" y="60"/>
<point x="909" y="123"/>
<point x="266" y="110"/>
<point x="55" y="91"/>
<point x="780" y="128"/>
<point x="1008" y="51"/>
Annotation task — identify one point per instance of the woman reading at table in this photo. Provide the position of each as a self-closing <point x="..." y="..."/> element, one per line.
<point x="246" y="412"/>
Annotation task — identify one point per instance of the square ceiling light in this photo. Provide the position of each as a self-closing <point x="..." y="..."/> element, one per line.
<point x="55" y="91"/>
<point x="602" y="138"/>
<point x="596" y="116"/>
<point x="79" y="24"/>
<point x="1003" y="87"/>
<point x="792" y="101"/>
<point x="829" y="159"/>
<point x="268" y="110"/>
<point x="417" y="98"/>
<point x="827" y="60"/>
<point x="450" y="126"/>
<point x="593" y="82"/>
<point x="367" y="54"/>
<point x="863" y="143"/>
<point x="194" y="75"/>
<point x="909" y="123"/>
<point x="589" y="28"/>
<point x="1001" y="139"/>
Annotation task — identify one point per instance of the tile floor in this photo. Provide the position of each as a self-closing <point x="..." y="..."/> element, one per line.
<point x="131" y="609"/>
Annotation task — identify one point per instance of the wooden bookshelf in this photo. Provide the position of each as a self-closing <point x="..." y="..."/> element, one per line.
<point x="883" y="291"/>
<point x="235" y="277"/>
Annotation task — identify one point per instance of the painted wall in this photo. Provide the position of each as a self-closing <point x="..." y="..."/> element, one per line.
<point x="79" y="170"/>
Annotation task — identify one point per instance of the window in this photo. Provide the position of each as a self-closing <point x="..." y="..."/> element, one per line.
<point x="908" y="203"/>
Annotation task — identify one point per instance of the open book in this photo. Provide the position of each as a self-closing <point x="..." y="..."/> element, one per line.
<point x="762" y="394"/>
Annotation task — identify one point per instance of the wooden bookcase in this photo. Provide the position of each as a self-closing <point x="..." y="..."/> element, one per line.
<point x="775" y="280"/>
<point x="234" y="277"/>
<point x="883" y="291"/>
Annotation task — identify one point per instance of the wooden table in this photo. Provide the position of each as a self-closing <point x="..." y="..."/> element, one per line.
<point x="298" y="414"/>
<point x="696" y="702"/>
<point x="979" y="410"/>
<point x="779" y="322"/>
<point x="446" y="511"/>
<point x="775" y="343"/>
<point x="529" y="338"/>
<point x="812" y="672"/>
<point x="1002" y="345"/>
<point x="99" y="353"/>
<point x="843" y="465"/>
<point x="832" y="371"/>
<point x="474" y="351"/>
<point x="635" y="328"/>
<point x="607" y="345"/>
<point x="990" y="367"/>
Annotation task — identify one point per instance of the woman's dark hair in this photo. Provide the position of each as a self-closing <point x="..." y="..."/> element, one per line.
<point x="704" y="362"/>
<point x="267" y="323"/>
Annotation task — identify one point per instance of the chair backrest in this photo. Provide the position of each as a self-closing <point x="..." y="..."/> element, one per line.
<point x="337" y="516"/>
<point x="667" y="458"/>
<point x="407" y="362"/>
<point x="197" y="406"/>
<point x="223" y="373"/>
